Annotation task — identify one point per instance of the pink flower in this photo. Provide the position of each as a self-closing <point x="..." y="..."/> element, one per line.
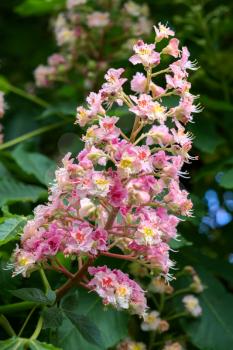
<point x="138" y="83"/>
<point x="162" y="31"/>
<point x="2" y="104"/>
<point x="145" y="54"/>
<point x="159" y="257"/>
<point x="141" y="27"/>
<point x="83" y="239"/>
<point x="117" y="289"/>
<point x="98" y="19"/>
<point x="56" y="59"/>
<point x="144" y="105"/>
<point x="44" y="75"/>
<point x="177" y="199"/>
<point x="172" y="48"/>
<point x="95" y="104"/>
<point x="178" y="81"/>
<point x="94" y="155"/>
<point x="73" y="3"/>
<point x="156" y="90"/>
<point x="83" y="116"/>
<point x="160" y="159"/>
<point x="114" y="81"/>
<point x="159" y="135"/>
<point x="117" y="193"/>
<point x="108" y="129"/>
<point x="184" y="62"/>
<point x="146" y="108"/>
<point x="183" y="112"/>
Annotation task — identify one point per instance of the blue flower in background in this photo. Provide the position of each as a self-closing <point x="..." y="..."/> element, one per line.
<point x="230" y="258"/>
<point x="218" y="215"/>
<point x="211" y="198"/>
<point x="228" y="200"/>
<point x="223" y="217"/>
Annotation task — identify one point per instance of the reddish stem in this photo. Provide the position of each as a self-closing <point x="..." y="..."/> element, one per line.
<point x="84" y="285"/>
<point x="111" y="218"/>
<point x="74" y="280"/>
<point x="119" y="256"/>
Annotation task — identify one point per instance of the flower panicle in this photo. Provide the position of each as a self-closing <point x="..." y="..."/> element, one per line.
<point x="121" y="191"/>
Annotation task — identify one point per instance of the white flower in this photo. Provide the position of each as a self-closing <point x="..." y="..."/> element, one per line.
<point x="173" y="346"/>
<point x="123" y="295"/>
<point x="197" y="286"/>
<point x="87" y="207"/>
<point x="98" y="19"/>
<point x="192" y="305"/>
<point x="160" y="286"/>
<point x="72" y="3"/>
<point x="132" y="8"/>
<point x="2" y="104"/>
<point x="151" y="321"/>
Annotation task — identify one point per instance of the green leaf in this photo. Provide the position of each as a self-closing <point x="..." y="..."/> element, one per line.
<point x="216" y="105"/>
<point x="112" y="323"/>
<point x="70" y="301"/>
<point x="4" y="171"/>
<point x="179" y="243"/>
<point x="37" y="345"/>
<point x="227" y="179"/>
<point x="33" y="294"/>
<point x="86" y="327"/>
<point x="13" y="344"/>
<point x="36" y="164"/>
<point x="201" y="129"/>
<point x="16" y="343"/>
<point x="4" y="84"/>
<point x="214" y="329"/>
<point x="12" y="191"/>
<point x="7" y="282"/>
<point x="52" y="317"/>
<point x="51" y="296"/>
<point x="64" y="108"/>
<point x="11" y="228"/>
<point x="38" y="7"/>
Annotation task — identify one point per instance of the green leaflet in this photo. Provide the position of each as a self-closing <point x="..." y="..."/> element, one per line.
<point x="11" y="228"/>
<point x="38" y="7"/>
<point x="111" y="323"/>
<point x="12" y="191"/>
<point x="36" y="164"/>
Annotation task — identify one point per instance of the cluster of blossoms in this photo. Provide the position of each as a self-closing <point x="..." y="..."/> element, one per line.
<point x="2" y="111"/>
<point x="117" y="289"/>
<point x="81" y="33"/>
<point x="120" y="194"/>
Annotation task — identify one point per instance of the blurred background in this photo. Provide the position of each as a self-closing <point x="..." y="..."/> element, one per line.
<point x="41" y="95"/>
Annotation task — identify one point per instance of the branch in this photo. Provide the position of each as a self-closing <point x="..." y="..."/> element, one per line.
<point x="60" y="292"/>
<point x="119" y="256"/>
